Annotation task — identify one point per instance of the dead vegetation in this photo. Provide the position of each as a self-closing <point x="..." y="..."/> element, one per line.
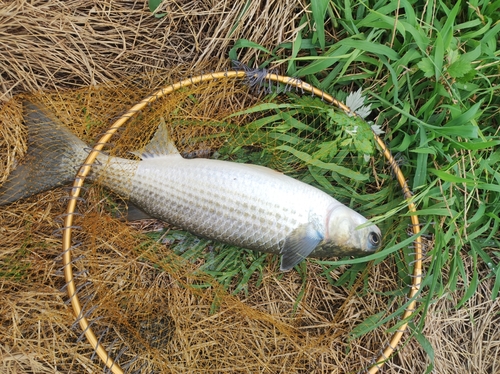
<point x="146" y="304"/>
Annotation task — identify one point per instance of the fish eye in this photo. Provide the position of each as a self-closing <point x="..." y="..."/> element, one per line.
<point x="374" y="239"/>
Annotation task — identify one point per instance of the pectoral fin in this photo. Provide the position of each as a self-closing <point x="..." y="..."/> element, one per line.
<point x="298" y="245"/>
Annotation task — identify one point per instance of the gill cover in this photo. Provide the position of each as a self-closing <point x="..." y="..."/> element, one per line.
<point x="345" y="233"/>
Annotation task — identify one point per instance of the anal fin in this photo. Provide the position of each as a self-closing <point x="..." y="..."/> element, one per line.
<point x="130" y="212"/>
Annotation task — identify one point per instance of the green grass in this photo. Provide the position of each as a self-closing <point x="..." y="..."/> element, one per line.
<point x="15" y="265"/>
<point x="232" y="267"/>
<point x="430" y="71"/>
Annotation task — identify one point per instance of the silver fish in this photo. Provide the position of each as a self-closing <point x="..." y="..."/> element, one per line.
<point x="244" y="205"/>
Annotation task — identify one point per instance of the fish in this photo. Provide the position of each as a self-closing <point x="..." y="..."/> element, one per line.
<point x="245" y="205"/>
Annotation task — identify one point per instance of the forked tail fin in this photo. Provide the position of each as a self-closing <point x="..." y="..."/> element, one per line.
<point x="53" y="155"/>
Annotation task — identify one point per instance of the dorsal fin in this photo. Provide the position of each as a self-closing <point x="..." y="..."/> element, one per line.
<point x="160" y="145"/>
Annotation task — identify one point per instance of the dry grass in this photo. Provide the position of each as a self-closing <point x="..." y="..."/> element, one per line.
<point x="157" y="317"/>
<point x="60" y="44"/>
<point x="12" y="137"/>
<point x="466" y="340"/>
<point x="150" y="312"/>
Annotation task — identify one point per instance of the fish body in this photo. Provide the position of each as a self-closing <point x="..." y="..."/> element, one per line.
<point x="245" y="205"/>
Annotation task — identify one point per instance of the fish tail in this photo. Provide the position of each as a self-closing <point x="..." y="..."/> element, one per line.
<point x="53" y="155"/>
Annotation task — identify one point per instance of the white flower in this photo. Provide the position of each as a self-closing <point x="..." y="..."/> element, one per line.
<point x="377" y="130"/>
<point x="355" y="102"/>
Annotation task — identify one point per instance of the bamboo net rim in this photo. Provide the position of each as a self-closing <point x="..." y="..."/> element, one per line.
<point x="85" y="169"/>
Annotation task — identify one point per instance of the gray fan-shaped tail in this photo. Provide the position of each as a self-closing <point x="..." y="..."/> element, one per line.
<point x="53" y="155"/>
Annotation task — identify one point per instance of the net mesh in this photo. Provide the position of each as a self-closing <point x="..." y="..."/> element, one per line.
<point x="154" y="295"/>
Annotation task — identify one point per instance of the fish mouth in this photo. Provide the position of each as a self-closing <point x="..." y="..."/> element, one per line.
<point x="325" y="250"/>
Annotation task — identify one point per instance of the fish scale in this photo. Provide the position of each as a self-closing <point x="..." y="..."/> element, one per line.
<point x="215" y="200"/>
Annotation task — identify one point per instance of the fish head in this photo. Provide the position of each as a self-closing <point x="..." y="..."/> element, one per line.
<point x="345" y="237"/>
